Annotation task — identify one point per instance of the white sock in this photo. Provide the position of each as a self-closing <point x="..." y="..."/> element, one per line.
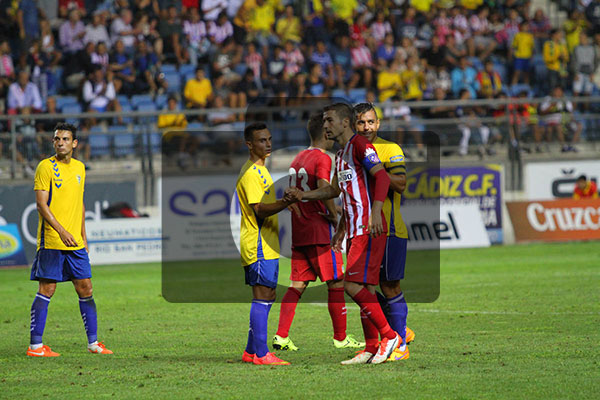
<point x="35" y="346"/>
<point x="403" y="347"/>
<point x="93" y="344"/>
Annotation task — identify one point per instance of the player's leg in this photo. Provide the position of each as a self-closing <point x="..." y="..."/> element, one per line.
<point x="80" y="272"/>
<point x="47" y="269"/>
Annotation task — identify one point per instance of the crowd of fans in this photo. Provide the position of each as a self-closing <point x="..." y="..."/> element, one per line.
<point x="239" y="50"/>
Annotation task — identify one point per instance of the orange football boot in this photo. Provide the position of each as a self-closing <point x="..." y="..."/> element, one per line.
<point x="269" y="359"/>
<point x="247" y="357"/>
<point x="410" y="335"/>
<point x="99" y="348"/>
<point x="43" y="351"/>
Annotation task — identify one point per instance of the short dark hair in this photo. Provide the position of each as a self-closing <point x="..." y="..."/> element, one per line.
<point x="64" y="126"/>
<point x="582" y="178"/>
<point x="253" y="127"/>
<point x="362" y="108"/>
<point x="315" y="126"/>
<point x="343" y="111"/>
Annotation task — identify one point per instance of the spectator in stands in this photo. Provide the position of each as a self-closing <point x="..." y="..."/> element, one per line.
<point x="540" y="28"/>
<point x="592" y="12"/>
<point x="407" y="27"/>
<point x="255" y="63"/>
<point x="28" y="18"/>
<point x="99" y="93"/>
<point x="315" y="83"/>
<point x="121" y="64"/>
<point x="469" y="122"/>
<point x="344" y="9"/>
<point x="480" y="27"/>
<point x="322" y="57"/>
<point x="389" y="81"/>
<point x="436" y="78"/>
<point x="454" y="51"/>
<point x="147" y="66"/>
<point x="436" y="56"/>
<point x="342" y="61"/>
<point x="220" y="30"/>
<point x="585" y="189"/>
<point x="96" y="31"/>
<point x="23" y="94"/>
<point x="275" y="66"/>
<point x="574" y="26"/>
<point x="556" y="58"/>
<point x="241" y="22"/>
<point x="198" y="91"/>
<point x="523" y="45"/>
<point x="196" y="34"/>
<point x="148" y="32"/>
<point x="100" y="56"/>
<point x="147" y="7"/>
<point x="489" y="81"/>
<point x="294" y="60"/>
<point x="66" y="6"/>
<point x="463" y="77"/>
<point x="47" y="43"/>
<point x="584" y="65"/>
<point x="7" y="68"/>
<point x="359" y="31"/>
<point x="386" y="51"/>
<point x="380" y="28"/>
<point x="315" y="23"/>
<point x="224" y="61"/>
<point x="71" y="34"/>
<point x="245" y="92"/>
<point x="261" y="24"/>
<point x="556" y="114"/>
<point x="462" y="31"/>
<point x="362" y="63"/>
<point x="79" y="67"/>
<point x="288" y="26"/>
<point x="28" y="143"/>
<point x="171" y="31"/>
<point x="121" y="28"/>
<point x="211" y="9"/>
<point x="222" y="116"/>
<point x="413" y="80"/>
<point x="172" y="119"/>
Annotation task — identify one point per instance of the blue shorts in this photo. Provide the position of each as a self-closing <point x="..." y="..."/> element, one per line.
<point x="262" y="272"/>
<point x="61" y="265"/>
<point x="394" y="259"/>
<point x="522" y="64"/>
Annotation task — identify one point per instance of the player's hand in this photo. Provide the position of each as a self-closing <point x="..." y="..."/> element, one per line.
<point x="67" y="238"/>
<point x="337" y="240"/>
<point x="332" y="219"/>
<point x="375" y="225"/>
<point x="292" y="195"/>
<point x="295" y="209"/>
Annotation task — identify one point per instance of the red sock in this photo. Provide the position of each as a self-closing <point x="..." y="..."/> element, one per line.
<point x="337" y="309"/>
<point x="288" y="310"/>
<point x="371" y="333"/>
<point x="368" y="304"/>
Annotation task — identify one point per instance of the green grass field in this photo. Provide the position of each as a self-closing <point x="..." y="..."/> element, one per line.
<point x="510" y="322"/>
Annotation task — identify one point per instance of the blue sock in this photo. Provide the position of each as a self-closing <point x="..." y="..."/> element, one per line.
<point x="398" y="313"/>
<point x="39" y="312"/>
<point x="259" y="317"/>
<point x="87" y="307"/>
<point x="250" y="344"/>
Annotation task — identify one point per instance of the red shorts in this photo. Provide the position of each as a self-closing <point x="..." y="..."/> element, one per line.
<point x="308" y="262"/>
<point x="364" y="258"/>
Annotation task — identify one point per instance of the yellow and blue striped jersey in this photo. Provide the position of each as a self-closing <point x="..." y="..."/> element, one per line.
<point x="259" y="239"/>
<point x="65" y="184"/>
<point x="392" y="157"/>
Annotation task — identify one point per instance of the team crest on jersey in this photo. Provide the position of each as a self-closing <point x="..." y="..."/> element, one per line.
<point x="397" y="158"/>
<point x="345" y="175"/>
<point x="371" y="155"/>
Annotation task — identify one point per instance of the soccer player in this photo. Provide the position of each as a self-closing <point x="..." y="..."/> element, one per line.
<point x="259" y="240"/>
<point x="62" y="249"/>
<point x="312" y="255"/>
<point x="394" y="258"/>
<point x="361" y="178"/>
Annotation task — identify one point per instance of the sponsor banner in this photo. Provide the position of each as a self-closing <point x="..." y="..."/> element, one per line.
<point x="456" y="226"/>
<point x="554" y="180"/>
<point x="17" y="205"/>
<point x="480" y="185"/>
<point x="555" y="220"/>
<point x="124" y="240"/>
<point x="12" y="252"/>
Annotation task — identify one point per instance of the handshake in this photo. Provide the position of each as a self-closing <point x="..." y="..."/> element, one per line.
<point x="292" y="195"/>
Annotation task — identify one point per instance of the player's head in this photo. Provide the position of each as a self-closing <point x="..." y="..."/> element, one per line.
<point x="367" y="123"/>
<point x="317" y="134"/>
<point x="64" y="140"/>
<point x="258" y="139"/>
<point x="582" y="182"/>
<point x="338" y="118"/>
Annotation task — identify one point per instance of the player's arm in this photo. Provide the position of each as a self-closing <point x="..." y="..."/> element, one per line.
<point x="41" y="199"/>
<point x="264" y="210"/>
<point x="397" y="181"/>
<point x="340" y="232"/>
<point x="331" y="215"/>
<point x="83" y="234"/>
<point x="327" y="191"/>
<point x="382" y="185"/>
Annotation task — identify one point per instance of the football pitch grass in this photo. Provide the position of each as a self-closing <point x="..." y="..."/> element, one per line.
<point x="510" y="322"/>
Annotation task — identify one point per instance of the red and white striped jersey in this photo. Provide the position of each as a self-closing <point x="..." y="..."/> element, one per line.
<point x="352" y="165"/>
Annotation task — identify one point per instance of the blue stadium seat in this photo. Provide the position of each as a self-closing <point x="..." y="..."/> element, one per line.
<point x="126" y="109"/>
<point x="240" y="68"/>
<point x="519" y="88"/>
<point x="340" y="93"/>
<point x="174" y="81"/>
<point x="160" y="101"/>
<point x="168" y="68"/>
<point x="71" y="108"/>
<point x="123" y="140"/>
<point x="136" y="99"/>
<point x="155" y="140"/>
<point x="123" y="99"/>
<point x="62" y="100"/>
<point x="100" y="142"/>
<point x="147" y="106"/>
<point x="278" y="136"/>
<point x="188" y="76"/>
<point x="186" y="68"/>
<point x="501" y="70"/>
<point x="476" y="63"/>
<point x="358" y="95"/>
<point x="195" y="126"/>
<point x="297" y="136"/>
